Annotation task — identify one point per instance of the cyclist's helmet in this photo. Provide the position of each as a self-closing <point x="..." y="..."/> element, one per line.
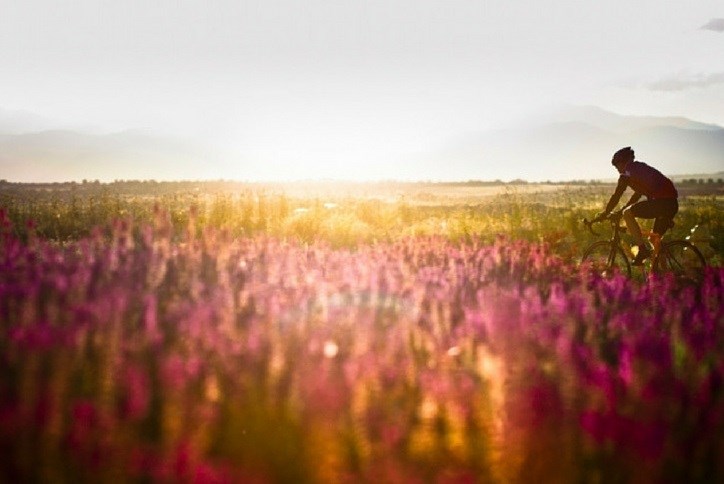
<point x="624" y="154"/>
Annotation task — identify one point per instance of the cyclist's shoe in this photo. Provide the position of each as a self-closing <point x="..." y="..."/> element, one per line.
<point x="643" y="254"/>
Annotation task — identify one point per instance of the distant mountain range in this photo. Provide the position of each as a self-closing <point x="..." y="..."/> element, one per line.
<point x="18" y="122"/>
<point x="40" y="154"/>
<point x="69" y="155"/>
<point x="567" y="144"/>
<point x="578" y="142"/>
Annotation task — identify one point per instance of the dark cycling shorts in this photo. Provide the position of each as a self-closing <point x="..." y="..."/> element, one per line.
<point x="663" y="210"/>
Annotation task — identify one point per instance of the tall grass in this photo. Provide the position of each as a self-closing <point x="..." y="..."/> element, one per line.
<point x="346" y="221"/>
<point x="176" y="351"/>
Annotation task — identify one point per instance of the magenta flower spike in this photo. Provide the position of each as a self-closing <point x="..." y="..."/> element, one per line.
<point x="187" y="353"/>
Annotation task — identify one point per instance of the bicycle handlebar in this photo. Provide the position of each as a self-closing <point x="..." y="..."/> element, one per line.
<point x="613" y="217"/>
<point x="589" y="226"/>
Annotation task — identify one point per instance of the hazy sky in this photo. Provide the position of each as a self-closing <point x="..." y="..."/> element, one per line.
<point x="349" y="88"/>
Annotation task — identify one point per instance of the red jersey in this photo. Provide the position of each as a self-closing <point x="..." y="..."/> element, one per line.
<point x="648" y="181"/>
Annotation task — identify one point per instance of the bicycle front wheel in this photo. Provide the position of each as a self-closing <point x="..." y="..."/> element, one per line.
<point x="681" y="258"/>
<point x="606" y="259"/>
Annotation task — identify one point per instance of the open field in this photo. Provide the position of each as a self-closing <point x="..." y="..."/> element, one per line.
<point x="348" y="214"/>
<point x="393" y="334"/>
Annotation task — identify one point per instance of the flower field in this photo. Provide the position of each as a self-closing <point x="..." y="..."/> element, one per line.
<point x="141" y="353"/>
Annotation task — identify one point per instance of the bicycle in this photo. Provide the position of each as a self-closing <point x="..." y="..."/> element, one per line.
<point x="607" y="257"/>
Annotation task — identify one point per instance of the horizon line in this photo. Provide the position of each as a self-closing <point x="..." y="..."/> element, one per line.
<point x="325" y="181"/>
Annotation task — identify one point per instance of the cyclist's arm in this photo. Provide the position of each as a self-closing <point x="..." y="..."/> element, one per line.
<point x="620" y="188"/>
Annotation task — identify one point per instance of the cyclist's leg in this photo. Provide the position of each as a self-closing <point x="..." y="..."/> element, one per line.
<point x="662" y="211"/>
<point x="665" y="209"/>
<point x="632" y="225"/>
<point x="643" y="209"/>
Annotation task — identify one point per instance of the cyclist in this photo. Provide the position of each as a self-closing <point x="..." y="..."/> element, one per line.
<point x="661" y="199"/>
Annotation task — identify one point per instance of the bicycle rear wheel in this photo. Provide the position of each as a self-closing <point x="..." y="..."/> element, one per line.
<point x="606" y="259"/>
<point x="681" y="258"/>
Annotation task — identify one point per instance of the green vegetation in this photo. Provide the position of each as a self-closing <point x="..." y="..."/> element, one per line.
<point x="344" y="215"/>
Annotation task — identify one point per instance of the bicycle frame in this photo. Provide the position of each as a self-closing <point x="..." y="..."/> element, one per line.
<point x="663" y="259"/>
<point x="613" y="245"/>
<point x="618" y="229"/>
